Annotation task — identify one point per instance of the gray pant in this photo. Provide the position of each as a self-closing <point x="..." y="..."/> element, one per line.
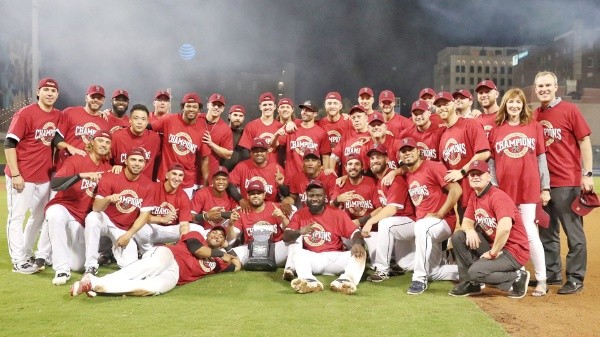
<point x="500" y="272"/>
<point x="572" y="224"/>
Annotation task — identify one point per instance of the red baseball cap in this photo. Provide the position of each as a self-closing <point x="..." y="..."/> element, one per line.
<point x="162" y="93"/>
<point x="120" y="92"/>
<point x="379" y="148"/>
<point x="222" y="170"/>
<point x="136" y="151"/>
<point x="287" y="101"/>
<point x="334" y="95"/>
<point x="191" y="97"/>
<point x="373" y="118"/>
<point x="479" y="165"/>
<point x="365" y="91"/>
<point x="542" y="218"/>
<point x="259" y="143"/>
<point x="219" y="228"/>
<point x="216" y="98"/>
<point x="310" y="152"/>
<point x="462" y="92"/>
<point x="353" y="156"/>
<point x="408" y="142"/>
<point x="103" y="134"/>
<point x="176" y="166"/>
<point x="256" y="185"/>
<point x="585" y="203"/>
<point x="47" y="82"/>
<point x="387" y="96"/>
<point x="237" y="108"/>
<point x="96" y="89"/>
<point x="314" y="184"/>
<point x="355" y="109"/>
<point x="486" y="84"/>
<point x="443" y="95"/>
<point x="266" y="96"/>
<point x="426" y="91"/>
<point x="419" y="105"/>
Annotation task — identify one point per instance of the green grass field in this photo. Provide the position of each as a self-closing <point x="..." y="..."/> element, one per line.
<point x="241" y="304"/>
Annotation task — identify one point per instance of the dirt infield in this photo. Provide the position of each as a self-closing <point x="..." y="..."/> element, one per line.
<point x="553" y="314"/>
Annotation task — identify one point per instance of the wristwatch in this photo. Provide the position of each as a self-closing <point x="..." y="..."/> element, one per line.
<point x="588" y="174"/>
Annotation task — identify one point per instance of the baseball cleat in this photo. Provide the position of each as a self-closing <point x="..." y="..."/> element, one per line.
<point x="288" y="274"/>
<point x="519" y="287"/>
<point x="24" y="268"/>
<point x="91" y="270"/>
<point x="416" y="288"/>
<point x="396" y="270"/>
<point x="465" y="289"/>
<point x="304" y="286"/>
<point x="61" y="278"/>
<point x="40" y="263"/>
<point x="379" y="276"/>
<point x="83" y="286"/>
<point x="344" y="286"/>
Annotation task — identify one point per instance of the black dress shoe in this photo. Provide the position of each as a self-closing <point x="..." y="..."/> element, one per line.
<point x="549" y="281"/>
<point x="570" y="288"/>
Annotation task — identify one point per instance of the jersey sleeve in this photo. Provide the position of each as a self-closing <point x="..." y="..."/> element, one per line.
<point x="398" y="193"/>
<point x="105" y="187"/>
<point x="478" y="138"/>
<point x="325" y="145"/>
<point x="246" y="139"/>
<point x="158" y="125"/>
<point x="148" y="201"/>
<point x="502" y="205"/>
<point x="67" y="169"/>
<point x="579" y="124"/>
<point x="185" y="208"/>
<point x="540" y="144"/>
<point x="197" y="204"/>
<point x="235" y="177"/>
<point x="18" y="126"/>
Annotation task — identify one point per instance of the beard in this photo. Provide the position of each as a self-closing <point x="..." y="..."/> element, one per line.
<point x="315" y="208"/>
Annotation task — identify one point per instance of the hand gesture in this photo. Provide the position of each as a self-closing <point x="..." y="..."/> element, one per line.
<point x="346" y="196"/>
<point x="307" y="229"/>
<point x="453" y="176"/>
<point x="341" y="181"/>
<point x="114" y="198"/>
<point x="91" y="176"/>
<point x="207" y="139"/>
<point x="278" y="213"/>
<point x="279" y="178"/>
<point x="117" y="169"/>
<point x="75" y="151"/>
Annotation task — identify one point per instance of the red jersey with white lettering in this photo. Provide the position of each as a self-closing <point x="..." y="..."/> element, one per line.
<point x="79" y="198"/>
<point x="458" y="144"/>
<point x="335" y="130"/>
<point x="299" y="182"/>
<point x="221" y="134"/>
<point x="330" y="227"/>
<point x="205" y="200"/>
<point x="117" y="123"/>
<point x="165" y="203"/>
<point x="391" y="144"/>
<point x="515" y="149"/>
<point x="258" y="129"/>
<point x="564" y="126"/>
<point x="426" y="190"/>
<point x="124" y="140"/>
<point x="297" y="142"/>
<point x="396" y="195"/>
<point x="247" y="171"/>
<point x="135" y="197"/>
<point x="190" y="267"/>
<point x="428" y="141"/>
<point x="488" y="122"/>
<point x="33" y="129"/>
<point x="398" y="125"/>
<point x="351" y="143"/>
<point x="263" y="218"/>
<point x="487" y="210"/>
<point x="365" y="200"/>
<point x="181" y="143"/>
<point x="78" y="127"/>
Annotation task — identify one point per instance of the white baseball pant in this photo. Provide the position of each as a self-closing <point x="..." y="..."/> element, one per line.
<point x="536" y="249"/>
<point x="153" y="234"/>
<point x="397" y="235"/>
<point x="67" y="237"/>
<point x="34" y="198"/>
<point x="429" y="235"/>
<point x="98" y="224"/>
<point x="281" y="253"/>
<point x="155" y="273"/>
<point x="308" y="263"/>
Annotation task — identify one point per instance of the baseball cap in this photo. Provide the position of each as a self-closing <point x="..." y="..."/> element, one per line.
<point x="47" y="82"/>
<point x="462" y="92"/>
<point x="219" y="228"/>
<point x="287" y="101"/>
<point x="95" y="89"/>
<point x="216" y="98"/>
<point x="387" y="96"/>
<point x="585" y="203"/>
<point x="103" y="134"/>
<point x="237" y="108"/>
<point x="120" y="92"/>
<point x="426" y="91"/>
<point x="162" y="93"/>
<point x="408" y="142"/>
<point x="419" y="105"/>
<point x="365" y="91"/>
<point x="259" y="143"/>
<point x="374" y="118"/>
<point x="443" y="95"/>
<point x="356" y="108"/>
<point x="479" y="165"/>
<point x="334" y="95"/>
<point x="176" y="166"/>
<point x="486" y="84"/>
<point x="256" y="185"/>
<point x="136" y="151"/>
<point x="310" y="152"/>
<point x="309" y="105"/>
<point x="542" y="218"/>
<point x="266" y="96"/>
<point x="379" y="148"/>
<point x="222" y="170"/>
<point x="314" y="184"/>
<point x="353" y="156"/>
<point x="191" y="97"/>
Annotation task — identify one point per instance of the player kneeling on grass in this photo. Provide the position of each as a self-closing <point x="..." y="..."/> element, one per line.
<point x="164" y="267"/>
<point x="493" y="246"/>
<point x="323" y="227"/>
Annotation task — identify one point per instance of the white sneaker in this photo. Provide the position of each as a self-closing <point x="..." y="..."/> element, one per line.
<point x="61" y="278"/>
<point x="25" y="268"/>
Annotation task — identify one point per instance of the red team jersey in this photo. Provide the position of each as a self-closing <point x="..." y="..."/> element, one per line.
<point x="258" y="129"/>
<point x="298" y="142"/>
<point x="165" y="203"/>
<point x="458" y="144"/>
<point x="205" y="200"/>
<point x="515" y="149"/>
<point x="398" y="125"/>
<point x="391" y="144"/>
<point x="488" y="122"/>
<point x="264" y="218"/>
<point x="118" y="123"/>
<point x="396" y="194"/>
<point x="330" y="227"/>
<point x="247" y="171"/>
<point x="221" y="134"/>
<point x="486" y="210"/>
<point x="135" y="197"/>
<point x="351" y="144"/>
<point x="426" y="190"/>
<point x="79" y="198"/>
<point x="299" y="182"/>
<point x="181" y="143"/>
<point x="33" y="129"/>
<point x="335" y="130"/>
<point x="428" y="141"/>
<point x="366" y="198"/>
<point x="124" y="140"/>
<point x="190" y="268"/>
<point x="564" y="126"/>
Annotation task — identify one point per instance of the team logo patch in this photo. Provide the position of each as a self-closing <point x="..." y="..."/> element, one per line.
<point x="382" y="197"/>
<point x="485" y="222"/>
<point x="318" y="237"/>
<point x="427" y="152"/>
<point x="268" y="187"/>
<point x="182" y="143"/>
<point x="89" y="187"/>
<point x="268" y="137"/>
<point x="334" y="137"/>
<point x="164" y="209"/>
<point x="550" y="133"/>
<point x="417" y="192"/>
<point x="301" y="144"/>
<point x="128" y="201"/>
<point x="207" y="265"/>
<point x="515" y="145"/>
<point x="87" y="131"/>
<point x="358" y="206"/>
<point x="454" y="151"/>
<point x="46" y="133"/>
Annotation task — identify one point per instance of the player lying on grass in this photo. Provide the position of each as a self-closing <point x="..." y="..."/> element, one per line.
<point x="164" y="267"/>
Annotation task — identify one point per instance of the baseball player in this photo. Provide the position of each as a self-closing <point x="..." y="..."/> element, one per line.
<point x="464" y="104"/>
<point x="263" y="127"/>
<point x="335" y="123"/>
<point x="569" y="154"/>
<point x="182" y="143"/>
<point x="76" y="183"/>
<point x="351" y="142"/>
<point x="487" y="96"/>
<point x="519" y="165"/>
<point x="366" y="100"/>
<point x="379" y="135"/>
<point x="428" y="96"/>
<point x="162" y="105"/>
<point x="117" y="117"/>
<point x="28" y="164"/>
<point x="396" y="124"/>
<point x="434" y="198"/>
<point x="236" y="119"/>
<point x="492" y="247"/>
<point x="121" y="207"/>
<point x="217" y="135"/>
<point x="322" y="228"/>
<point x="211" y="205"/>
<point x="426" y="133"/>
<point x="262" y="213"/>
<point x="164" y="267"/>
<point x="285" y="111"/>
